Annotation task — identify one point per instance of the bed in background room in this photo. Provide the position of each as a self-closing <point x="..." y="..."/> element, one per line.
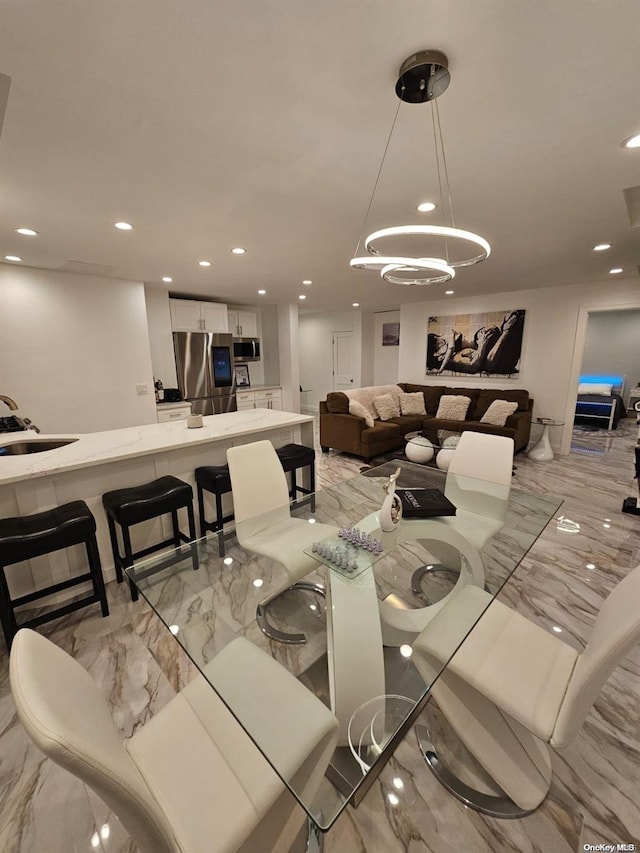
<point x="600" y="401"/>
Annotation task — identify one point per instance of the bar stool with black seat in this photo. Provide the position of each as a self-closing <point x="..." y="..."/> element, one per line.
<point x="25" y="537"/>
<point x="134" y="505"/>
<point x="214" y="479"/>
<point x="294" y="456"/>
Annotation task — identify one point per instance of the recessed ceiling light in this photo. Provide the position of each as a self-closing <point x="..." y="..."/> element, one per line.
<point x="615" y="271"/>
<point x="302" y="296"/>
<point x="426" y="206"/>
<point x="602" y="247"/>
<point x="238" y="250"/>
<point x="557" y="629"/>
<point x="124" y="226"/>
<point x="632" y="142"/>
<point x="307" y="281"/>
<point x="167" y="278"/>
<point x="204" y="263"/>
<point x="261" y="292"/>
<point x="449" y="292"/>
<point x="26" y="232"/>
<point x="355" y="304"/>
<point x="13" y="258"/>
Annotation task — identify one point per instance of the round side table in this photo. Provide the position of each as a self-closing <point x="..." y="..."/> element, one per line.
<point x="542" y="451"/>
<point x="419" y="449"/>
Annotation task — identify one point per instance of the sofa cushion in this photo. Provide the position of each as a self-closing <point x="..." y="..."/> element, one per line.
<point x="357" y="409"/>
<point x="386" y="407"/>
<point x="412" y="404"/>
<point x="408" y="423"/>
<point x="387" y="431"/>
<point x="367" y="395"/>
<point x="498" y="412"/>
<point x="453" y="407"/>
<point x="431" y="394"/>
<point x="486" y="396"/>
<point x="337" y="403"/>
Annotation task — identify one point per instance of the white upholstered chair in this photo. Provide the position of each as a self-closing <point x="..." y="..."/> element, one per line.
<point x="191" y="780"/>
<point x="478" y="483"/>
<point x="264" y="524"/>
<point x="513" y="687"/>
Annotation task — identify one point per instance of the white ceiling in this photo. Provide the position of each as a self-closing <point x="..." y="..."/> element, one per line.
<point x="261" y="123"/>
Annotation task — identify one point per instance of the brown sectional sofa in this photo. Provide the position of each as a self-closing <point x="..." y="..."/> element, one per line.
<point x="342" y="431"/>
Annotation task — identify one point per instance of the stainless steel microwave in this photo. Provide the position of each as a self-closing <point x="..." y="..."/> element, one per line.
<point x="246" y="349"/>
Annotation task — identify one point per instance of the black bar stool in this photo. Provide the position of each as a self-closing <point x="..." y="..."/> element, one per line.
<point x="294" y="456"/>
<point x="29" y="536"/>
<point x="214" y="479"/>
<point x="127" y="507"/>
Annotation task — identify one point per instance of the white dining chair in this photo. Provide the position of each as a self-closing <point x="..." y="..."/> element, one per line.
<point x="513" y="688"/>
<point x="478" y="483"/>
<point x="264" y="524"/>
<point x="191" y="780"/>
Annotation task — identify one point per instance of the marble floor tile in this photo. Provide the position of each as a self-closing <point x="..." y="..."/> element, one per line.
<point x="595" y="797"/>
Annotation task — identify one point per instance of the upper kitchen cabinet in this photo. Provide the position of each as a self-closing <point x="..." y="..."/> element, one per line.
<point x="187" y="315"/>
<point x="243" y="324"/>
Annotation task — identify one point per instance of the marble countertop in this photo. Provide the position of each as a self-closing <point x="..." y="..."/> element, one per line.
<point x="99" y="448"/>
<point x="258" y="388"/>
<point x="177" y="405"/>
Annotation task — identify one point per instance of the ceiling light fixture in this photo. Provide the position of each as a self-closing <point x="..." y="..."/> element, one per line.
<point x="424" y="76"/>
<point x="238" y="251"/>
<point x="615" y="271"/>
<point x="26" y="232"/>
<point x="204" y="263"/>
<point x="632" y="141"/>
<point x="261" y="292"/>
<point x="602" y="247"/>
<point x="449" y="292"/>
<point x="167" y="279"/>
<point x="14" y="258"/>
<point x="123" y="226"/>
<point x="426" y="207"/>
<point x="307" y="281"/>
<point x="302" y="296"/>
<point x="355" y="304"/>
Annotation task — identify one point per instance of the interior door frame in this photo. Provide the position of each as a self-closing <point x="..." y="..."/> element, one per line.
<point x="576" y="363"/>
<point x="344" y="333"/>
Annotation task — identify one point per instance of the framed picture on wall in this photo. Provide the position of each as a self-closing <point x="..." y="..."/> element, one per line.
<point x="242" y="376"/>
<point x="391" y="334"/>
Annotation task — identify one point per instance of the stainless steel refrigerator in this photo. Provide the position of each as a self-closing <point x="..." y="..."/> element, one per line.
<point x="206" y="378"/>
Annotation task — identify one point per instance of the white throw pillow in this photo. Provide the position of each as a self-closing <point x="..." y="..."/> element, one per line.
<point x="357" y="409"/>
<point x="412" y="404"/>
<point x="600" y="388"/>
<point x="453" y="407"/>
<point x="386" y="407"/>
<point x="498" y="412"/>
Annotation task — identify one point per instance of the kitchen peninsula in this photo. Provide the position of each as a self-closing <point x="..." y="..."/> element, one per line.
<point x="99" y="462"/>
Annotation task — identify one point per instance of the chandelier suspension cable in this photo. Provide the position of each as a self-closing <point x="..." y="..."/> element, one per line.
<point x="375" y="186"/>
<point x="435" y="121"/>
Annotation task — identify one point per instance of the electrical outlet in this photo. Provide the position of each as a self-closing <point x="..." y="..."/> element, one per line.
<point x="142" y="389"/>
<point x="285" y="436"/>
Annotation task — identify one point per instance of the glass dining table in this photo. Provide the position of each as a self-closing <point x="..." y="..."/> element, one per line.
<point x="367" y="597"/>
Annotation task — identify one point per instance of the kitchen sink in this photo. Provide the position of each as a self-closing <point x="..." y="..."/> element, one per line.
<point x="36" y="445"/>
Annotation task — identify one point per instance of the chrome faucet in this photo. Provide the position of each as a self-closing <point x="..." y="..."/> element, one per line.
<point x="13" y="406"/>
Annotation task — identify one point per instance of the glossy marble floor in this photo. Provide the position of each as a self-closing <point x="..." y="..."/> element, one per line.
<point x="595" y="797"/>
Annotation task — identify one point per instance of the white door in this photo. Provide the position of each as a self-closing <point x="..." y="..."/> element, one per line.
<point x="343" y="361"/>
<point x="232" y="321"/>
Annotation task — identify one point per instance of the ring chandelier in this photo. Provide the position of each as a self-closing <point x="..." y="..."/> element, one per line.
<point x="423" y="77"/>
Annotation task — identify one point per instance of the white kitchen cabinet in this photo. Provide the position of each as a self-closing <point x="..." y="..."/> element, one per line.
<point x="259" y="399"/>
<point x="243" y="324"/>
<point x="173" y="413"/>
<point x="188" y="315"/>
<point x="269" y="399"/>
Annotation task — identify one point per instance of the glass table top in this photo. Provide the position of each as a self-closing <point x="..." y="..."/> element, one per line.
<point x="358" y="656"/>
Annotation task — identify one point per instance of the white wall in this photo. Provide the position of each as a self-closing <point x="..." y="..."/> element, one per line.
<point x="552" y="345"/>
<point x="315" y="347"/>
<point x="73" y="348"/>
<point x="612" y="345"/>
<point x="385" y="359"/>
